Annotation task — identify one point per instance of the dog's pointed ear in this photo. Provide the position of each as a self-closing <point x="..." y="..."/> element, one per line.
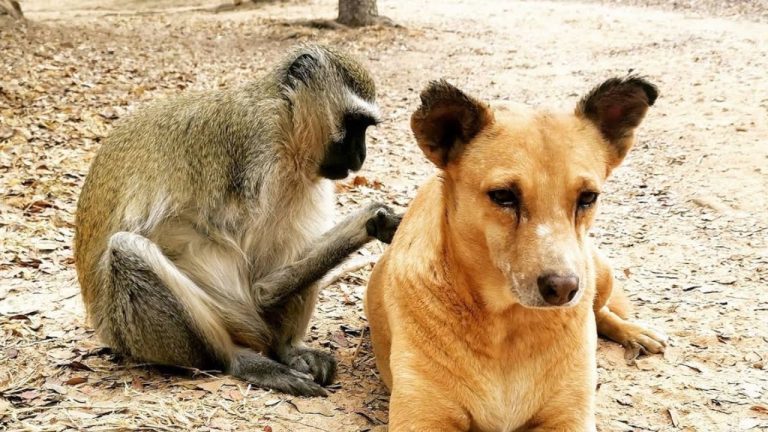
<point x="617" y="107"/>
<point x="446" y="121"/>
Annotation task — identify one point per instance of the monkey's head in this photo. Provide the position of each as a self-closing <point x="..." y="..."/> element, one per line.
<point x="332" y="99"/>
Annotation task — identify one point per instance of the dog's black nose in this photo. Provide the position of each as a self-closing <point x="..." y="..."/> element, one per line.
<point x="558" y="290"/>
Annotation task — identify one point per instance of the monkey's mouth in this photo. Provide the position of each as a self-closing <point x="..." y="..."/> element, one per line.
<point x="334" y="172"/>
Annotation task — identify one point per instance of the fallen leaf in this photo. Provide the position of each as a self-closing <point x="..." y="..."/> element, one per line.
<point x="109" y="114"/>
<point x="76" y="365"/>
<point x="211" y="386"/>
<point x="29" y="394"/>
<point x="76" y="380"/>
<point x="360" y="181"/>
<point x="191" y="394"/>
<point x="272" y="402"/>
<point x="55" y="387"/>
<point x="236" y="395"/>
<point x="61" y="353"/>
<point x="673" y="417"/>
<point x="314" y="406"/>
<point x="5" y="133"/>
<point x="46" y="246"/>
<point x="221" y="423"/>
<point x="136" y="383"/>
<point x="762" y="409"/>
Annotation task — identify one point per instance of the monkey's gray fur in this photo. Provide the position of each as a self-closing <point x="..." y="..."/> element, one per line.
<point x="204" y="221"/>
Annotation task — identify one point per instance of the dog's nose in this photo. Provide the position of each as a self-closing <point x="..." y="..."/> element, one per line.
<point x="558" y="290"/>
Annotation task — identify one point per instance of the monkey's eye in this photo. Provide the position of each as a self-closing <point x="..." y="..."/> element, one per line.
<point x="505" y="198"/>
<point x="587" y="199"/>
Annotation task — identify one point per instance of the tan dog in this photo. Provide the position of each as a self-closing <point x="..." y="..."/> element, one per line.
<point x="484" y="311"/>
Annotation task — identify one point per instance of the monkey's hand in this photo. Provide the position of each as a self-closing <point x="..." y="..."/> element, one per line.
<point x="382" y="223"/>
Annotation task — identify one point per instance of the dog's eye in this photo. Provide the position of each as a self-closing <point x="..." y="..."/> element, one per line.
<point x="504" y="197"/>
<point x="587" y="199"/>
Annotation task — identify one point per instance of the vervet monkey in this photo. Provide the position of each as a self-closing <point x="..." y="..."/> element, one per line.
<point x="204" y="221"/>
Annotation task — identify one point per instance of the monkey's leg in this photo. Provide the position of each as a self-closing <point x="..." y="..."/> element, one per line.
<point x="374" y="221"/>
<point x="154" y="312"/>
<point x="292" y="291"/>
<point x="157" y="314"/>
<point x="288" y="345"/>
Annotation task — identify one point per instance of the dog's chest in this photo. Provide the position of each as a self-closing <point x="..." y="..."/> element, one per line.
<point x="506" y="401"/>
<point x="513" y="391"/>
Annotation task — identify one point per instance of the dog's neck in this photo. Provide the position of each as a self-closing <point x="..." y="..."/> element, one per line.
<point x="446" y="268"/>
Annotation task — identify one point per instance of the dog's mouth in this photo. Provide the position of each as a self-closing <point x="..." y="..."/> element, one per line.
<point x="529" y="296"/>
<point x="553" y="289"/>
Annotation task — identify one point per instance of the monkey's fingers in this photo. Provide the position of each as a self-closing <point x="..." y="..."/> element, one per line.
<point x="293" y="383"/>
<point x="319" y="364"/>
<point x="383" y="224"/>
<point x="284" y="380"/>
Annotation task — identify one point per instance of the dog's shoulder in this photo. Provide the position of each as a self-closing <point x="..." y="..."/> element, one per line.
<point x="420" y="234"/>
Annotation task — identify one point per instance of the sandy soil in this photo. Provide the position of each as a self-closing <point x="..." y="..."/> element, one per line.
<point x="684" y="220"/>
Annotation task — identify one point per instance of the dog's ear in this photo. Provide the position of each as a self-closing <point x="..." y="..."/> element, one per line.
<point x="446" y="121"/>
<point x="617" y="107"/>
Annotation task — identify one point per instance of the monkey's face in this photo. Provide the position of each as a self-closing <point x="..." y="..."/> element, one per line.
<point x="346" y="151"/>
<point x="333" y="97"/>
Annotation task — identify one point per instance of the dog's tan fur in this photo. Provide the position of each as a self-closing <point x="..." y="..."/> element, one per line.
<point x="460" y="333"/>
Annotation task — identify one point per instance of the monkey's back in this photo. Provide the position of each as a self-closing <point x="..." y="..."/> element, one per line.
<point x="178" y="155"/>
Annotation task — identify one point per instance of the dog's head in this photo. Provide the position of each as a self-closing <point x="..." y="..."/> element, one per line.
<point x="522" y="186"/>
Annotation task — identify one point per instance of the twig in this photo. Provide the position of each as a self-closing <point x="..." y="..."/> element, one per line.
<point x="299" y="422"/>
<point x="108" y="409"/>
<point x="359" y="344"/>
<point x="350" y="266"/>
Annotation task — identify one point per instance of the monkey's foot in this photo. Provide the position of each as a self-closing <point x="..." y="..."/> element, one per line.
<point x="383" y="222"/>
<point x="269" y="374"/>
<point x="320" y="364"/>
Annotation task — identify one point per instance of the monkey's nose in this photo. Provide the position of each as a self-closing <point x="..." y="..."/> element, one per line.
<point x="558" y="290"/>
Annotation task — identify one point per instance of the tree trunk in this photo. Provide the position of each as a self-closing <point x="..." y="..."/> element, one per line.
<point x="358" y="13"/>
<point x="12" y="8"/>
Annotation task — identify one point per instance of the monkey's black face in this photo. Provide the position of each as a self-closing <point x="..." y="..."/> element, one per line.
<point x="347" y="154"/>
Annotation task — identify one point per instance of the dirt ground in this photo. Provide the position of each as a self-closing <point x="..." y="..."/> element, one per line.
<point x="684" y="220"/>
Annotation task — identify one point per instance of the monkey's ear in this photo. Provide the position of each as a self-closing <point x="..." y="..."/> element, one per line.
<point x="302" y="69"/>
<point x="616" y="107"/>
<point x="447" y="120"/>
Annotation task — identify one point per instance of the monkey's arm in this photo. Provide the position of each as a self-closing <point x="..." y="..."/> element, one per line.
<point x="375" y="221"/>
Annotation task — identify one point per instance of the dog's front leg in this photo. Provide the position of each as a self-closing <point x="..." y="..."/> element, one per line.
<point x="611" y="310"/>
<point x="635" y="338"/>
<point x="415" y="411"/>
<point x="578" y="427"/>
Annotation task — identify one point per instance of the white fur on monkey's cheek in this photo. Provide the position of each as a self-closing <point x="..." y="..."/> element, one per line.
<point x="338" y="135"/>
<point x="357" y="104"/>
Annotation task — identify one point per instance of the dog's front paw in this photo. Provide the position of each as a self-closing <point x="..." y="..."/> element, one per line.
<point x="383" y="223"/>
<point x="639" y="340"/>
